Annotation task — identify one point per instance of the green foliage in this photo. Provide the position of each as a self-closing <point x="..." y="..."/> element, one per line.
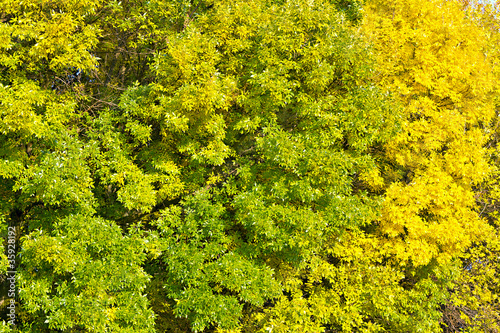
<point x="216" y="166"/>
<point x="86" y="275"/>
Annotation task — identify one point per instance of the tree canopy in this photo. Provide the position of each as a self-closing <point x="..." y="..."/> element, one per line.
<point x="250" y="165"/>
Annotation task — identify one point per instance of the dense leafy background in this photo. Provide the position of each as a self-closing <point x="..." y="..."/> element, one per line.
<point x="251" y="166"/>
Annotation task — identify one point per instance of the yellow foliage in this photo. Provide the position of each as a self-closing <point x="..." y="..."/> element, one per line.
<point x="432" y="55"/>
